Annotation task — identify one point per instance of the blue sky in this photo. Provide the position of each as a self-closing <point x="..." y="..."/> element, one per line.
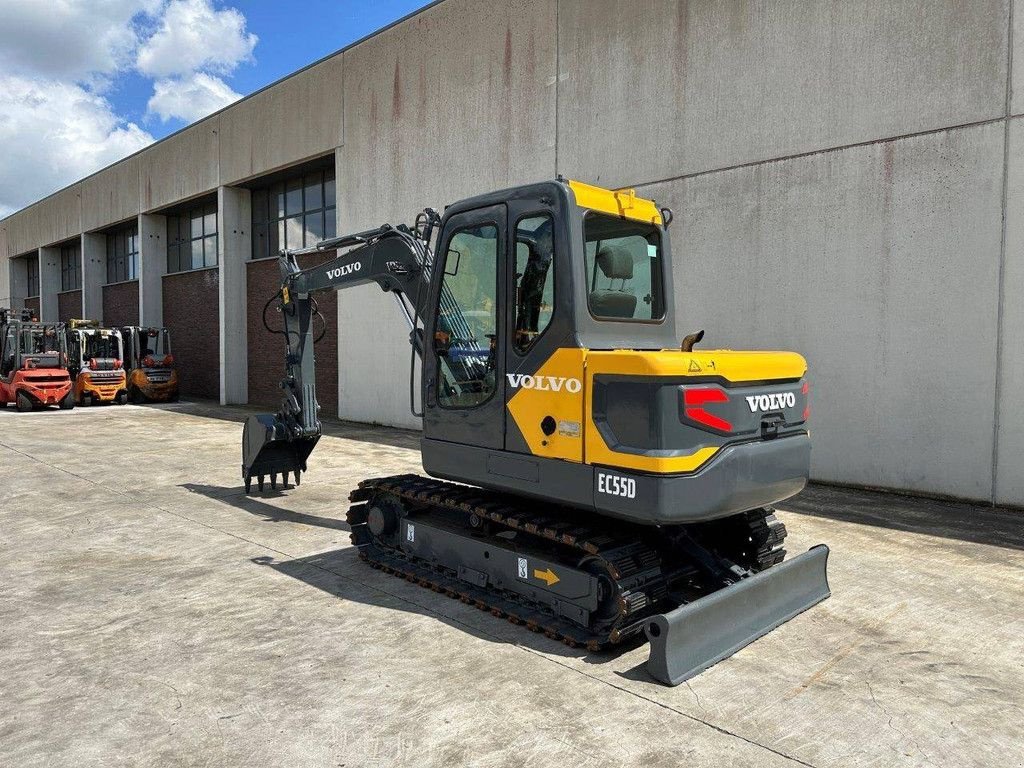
<point x="287" y="42"/>
<point x="84" y="83"/>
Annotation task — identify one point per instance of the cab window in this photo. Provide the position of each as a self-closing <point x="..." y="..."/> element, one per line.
<point x="466" y="326"/>
<point x="624" y="269"/>
<point x="534" y="279"/>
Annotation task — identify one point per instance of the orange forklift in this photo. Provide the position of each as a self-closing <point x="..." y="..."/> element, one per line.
<point x="152" y="376"/>
<point x="95" y="355"/>
<point x="33" y="362"/>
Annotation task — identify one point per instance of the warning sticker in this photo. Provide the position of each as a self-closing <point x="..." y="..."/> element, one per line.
<point x="523" y="569"/>
<point x="694" y="366"/>
<point x="410" y="532"/>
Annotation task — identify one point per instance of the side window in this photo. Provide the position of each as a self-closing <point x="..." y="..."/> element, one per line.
<point x="624" y="268"/>
<point x="534" y="279"/>
<point x="466" y="326"/>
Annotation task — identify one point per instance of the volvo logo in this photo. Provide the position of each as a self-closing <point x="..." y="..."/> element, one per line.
<point x="348" y="269"/>
<point x="544" y="383"/>
<point x="773" y="402"/>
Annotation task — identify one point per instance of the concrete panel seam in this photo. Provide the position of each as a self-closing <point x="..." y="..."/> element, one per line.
<point x="1001" y="282"/>
<point x="823" y="151"/>
<point x="558" y="71"/>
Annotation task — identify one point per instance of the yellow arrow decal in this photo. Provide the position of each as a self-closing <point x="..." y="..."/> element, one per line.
<point x="547" y="576"/>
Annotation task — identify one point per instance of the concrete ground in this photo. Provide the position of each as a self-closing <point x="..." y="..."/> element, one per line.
<point x="152" y="614"/>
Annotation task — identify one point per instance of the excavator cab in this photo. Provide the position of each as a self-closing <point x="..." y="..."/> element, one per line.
<point x="33" y="362"/>
<point x="609" y="481"/>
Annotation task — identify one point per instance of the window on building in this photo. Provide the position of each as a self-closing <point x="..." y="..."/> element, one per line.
<point x="32" y="277"/>
<point x="71" y="267"/>
<point x="192" y="239"/>
<point x="295" y="213"/>
<point x="123" y="254"/>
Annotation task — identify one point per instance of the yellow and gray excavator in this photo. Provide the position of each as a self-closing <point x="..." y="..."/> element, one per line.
<point x="591" y="476"/>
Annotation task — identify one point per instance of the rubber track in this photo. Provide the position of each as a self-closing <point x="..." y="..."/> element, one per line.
<point x="635" y="566"/>
<point x="619" y="547"/>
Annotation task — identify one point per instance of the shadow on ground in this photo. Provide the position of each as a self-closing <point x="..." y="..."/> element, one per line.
<point x="326" y="571"/>
<point x="393" y="437"/>
<point x="330" y="572"/>
<point x="237" y="497"/>
<point x="975" y="523"/>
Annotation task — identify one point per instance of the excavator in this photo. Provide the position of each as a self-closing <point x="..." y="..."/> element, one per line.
<point x="33" y="362"/>
<point x="96" y="363"/>
<point x="591" y="476"/>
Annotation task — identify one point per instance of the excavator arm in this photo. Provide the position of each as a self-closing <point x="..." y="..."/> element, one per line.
<point x="395" y="258"/>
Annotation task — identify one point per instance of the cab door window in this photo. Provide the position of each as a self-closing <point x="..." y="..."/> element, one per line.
<point x="466" y="329"/>
<point x="534" y="279"/>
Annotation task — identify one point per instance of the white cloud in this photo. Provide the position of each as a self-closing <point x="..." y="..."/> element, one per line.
<point x="53" y="133"/>
<point x="194" y="36"/>
<point x="69" y="39"/>
<point x="190" y="98"/>
<point x="59" y="57"/>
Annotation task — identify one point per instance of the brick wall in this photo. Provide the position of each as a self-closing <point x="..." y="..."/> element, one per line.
<point x="266" y="350"/>
<point x="33" y="304"/>
<point x="191" y="314"/>
<point x="69" y="304"/>
<point x="121" y="304"/>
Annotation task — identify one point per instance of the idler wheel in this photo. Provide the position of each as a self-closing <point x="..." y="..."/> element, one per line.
<point x="383" y="515"/>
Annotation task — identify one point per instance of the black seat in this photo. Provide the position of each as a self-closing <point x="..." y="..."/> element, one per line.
<point x="615" y="263"/>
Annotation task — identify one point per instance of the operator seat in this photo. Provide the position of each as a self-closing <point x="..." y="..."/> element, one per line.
<point x="616" y="263"/>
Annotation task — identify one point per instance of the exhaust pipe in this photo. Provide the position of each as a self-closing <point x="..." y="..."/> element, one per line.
<point x="269" y="449"/>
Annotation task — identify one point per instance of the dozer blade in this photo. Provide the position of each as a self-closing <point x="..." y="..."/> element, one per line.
<point x="268" y="449"/>
<point x="693" y="637"/>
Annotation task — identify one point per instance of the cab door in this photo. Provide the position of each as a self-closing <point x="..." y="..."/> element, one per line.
<point x="464" y="366"/>
<point x="544" y="396"/>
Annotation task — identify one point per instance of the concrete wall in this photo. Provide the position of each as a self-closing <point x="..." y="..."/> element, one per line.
<point x="1009" y="487"/>
<point x="94" y="274"/>
<point x="234" y="244"/>
<point x="180" y="167"/>
<point x="152" y="268"/>
<point x="1017" y="102"/>
<point x="427" y="129"/>
<point x="880" y="265"/>
<point x="692" y="86"/>
<point x="847" y="180"/>
<point x="254" y="139"/>
<point x="111" y="196"/>
<point x="5" y="268"/>
<point x="49" y="283"/>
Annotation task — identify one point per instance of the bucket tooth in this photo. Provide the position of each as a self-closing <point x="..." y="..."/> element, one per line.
<point x="248" y="484"/>
<point x="260" y="483"/>
<point x="298" y="477"/>
<point x="269" y="448"/>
